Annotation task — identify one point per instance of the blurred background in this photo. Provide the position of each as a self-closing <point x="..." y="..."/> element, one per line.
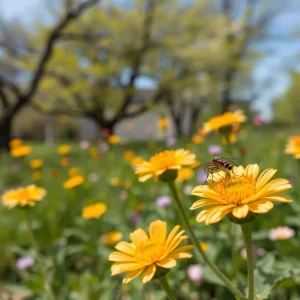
<point x="122" y="65"/>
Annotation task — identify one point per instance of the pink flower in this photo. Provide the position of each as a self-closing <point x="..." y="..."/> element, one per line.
<point x="281" y="233"/>
<point x="171" y="141"/>
<point x="201" y="176"/>
<point x="104" y="146"/>
<point x="195" y="274"/>
<point x="123" y="196"/>
<point x="25" y="262"/>
<point x="84" y="144"/>
<point x="257" y="251"/>
<point x="258" y="120"/>
<point x="215" y="149"/>
<point x="163" y="201"/>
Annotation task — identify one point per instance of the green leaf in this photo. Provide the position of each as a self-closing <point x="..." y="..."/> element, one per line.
<point x="267" y="275"/>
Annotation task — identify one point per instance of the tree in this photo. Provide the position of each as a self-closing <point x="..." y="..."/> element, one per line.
<point x="287" y="108"/>
<point x="18" y="85"/>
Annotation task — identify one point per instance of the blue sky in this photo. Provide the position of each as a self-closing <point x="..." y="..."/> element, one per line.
<point x="271" y="75"/>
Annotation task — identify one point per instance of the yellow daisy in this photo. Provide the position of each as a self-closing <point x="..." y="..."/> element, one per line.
<point x="64" y="149"/>
<point x="36" y="163"/>
<point x="293" y="146"/>
<point x="185" y="174"/>
<point x="197" y="139"/>
<point x="94" y="211"/>
<point x="73" y="182"/>
<point x="146" y="253"/>
<point x="228" y="119"/>
<point x="20" y="151"/>
<point x="112" y="238"/>
<point x="15" y="143"/>
<point x="163" y="161"/>
<point x="25" y="196"/>
<point x="113" y="139"/>
<point x="239" y="194"/>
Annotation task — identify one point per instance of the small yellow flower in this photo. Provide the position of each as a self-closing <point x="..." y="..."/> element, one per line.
<point x="64" y="149"/>
<point x="163" y="122"/>
<point x="73" y="172"/>
<point x="185" y="174"/>
<point x="228" y="119"/>
<point x="163" y="161"/>
<point x="113" y="139"/>
<point x="239" y="194"/>
<point x="146" y="253"/>
<point x="20" y="151"/>
<point x="129" y="155"/>
<point x="112" y="238"/>
<point x="36" y="163"/>
<point x="293" y="146"/>
<point x="197" y="139"/>
<point x="204" y="246"/>
<point x="15" y="143"/>
<point x="93" y="152"/>
<point x="26" y="196"/>
<point x="115" y="181"/>
<point x="94" y="211"/>
<point x="73" y="182"/>
<point x="37" y="175"/>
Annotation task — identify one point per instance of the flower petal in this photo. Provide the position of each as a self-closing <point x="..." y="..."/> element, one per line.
<point x="158" y="231"/>
<point x="132" y="275"/>
<point x="167" y="263"/>
<point x="138" y="236"/>
<point x="118" y="268"/>
<point x="217" y="213"/>
<point x="126" y="248"/>
<point x="260" y="206"/>
<point x="148" y="275"/>
<point x="204" y="202"/>
<point x="120" y="257"/>
<point x="264" y="178"/>
<point x="241" y="211"/>
<point x="252" y="169"/>
<point x="171" y="235"/>
<point x="278" y="198"/>
<point x="274" y="187"/>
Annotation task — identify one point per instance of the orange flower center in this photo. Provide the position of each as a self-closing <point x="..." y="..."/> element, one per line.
<point x="235" y="189"/>
<point x="163" y="160"/>
<point x="149" y="252"/>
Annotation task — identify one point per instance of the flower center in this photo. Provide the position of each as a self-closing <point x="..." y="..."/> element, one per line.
<point x="236" y="188"/>
<point x="163" y="160"/>
<point x="149" y="252"/>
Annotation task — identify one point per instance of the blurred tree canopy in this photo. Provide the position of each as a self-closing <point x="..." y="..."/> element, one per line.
<point x="287" y="108"/>
<point x="191" y="53"/>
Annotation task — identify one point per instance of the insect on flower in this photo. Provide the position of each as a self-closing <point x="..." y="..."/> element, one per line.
<point x="216" y="165"/>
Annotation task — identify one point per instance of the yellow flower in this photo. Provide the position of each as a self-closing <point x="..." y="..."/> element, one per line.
<point x="115" y="181"/>
<point x="64" y="149"/>
<point x="94" y="152"/>
<point x="204" y="246"/>
<point x="20" y="151"/>
<point x="36" y="163"/>
<point x="94" y="211"/>
<point x="146" y="253"/>
<point x="37" y="175"/>
<point x="293" y="146"/>
<point x="113" y="139"/>
<point x="73" y="182"/>
<point x="15" y="143"/>
<point x="228" y="119"/>
<point x="112" y="238"/>
<point x="184" y="174"/>
<point x="239" y="194"/>
<point x="163" y="123"/>
<point x="73" y="172"/>
<point x="129" y="155"/>
<point x="26" y="196"/>
<point x="163" y="161"/>
<point x="197" y="139"/>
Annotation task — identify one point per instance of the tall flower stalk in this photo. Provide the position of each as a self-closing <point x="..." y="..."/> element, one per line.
<point x="196" y="243"/>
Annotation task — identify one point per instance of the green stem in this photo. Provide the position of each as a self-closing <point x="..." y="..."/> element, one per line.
<point x="165" y="285"/>
<point x="47" y="285"/>
<point x="246" y="228"/>
<point x="194" y="240"/>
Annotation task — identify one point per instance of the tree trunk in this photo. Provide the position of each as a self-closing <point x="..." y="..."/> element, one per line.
<point x="5" y="134"/>
<point x="178" y="126"/>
